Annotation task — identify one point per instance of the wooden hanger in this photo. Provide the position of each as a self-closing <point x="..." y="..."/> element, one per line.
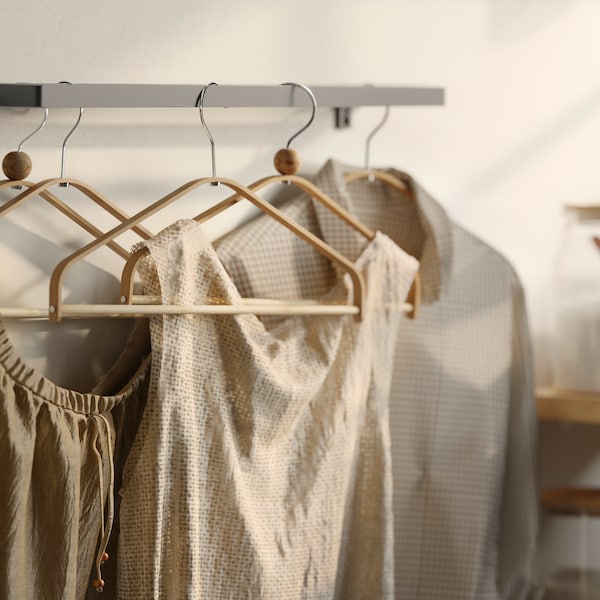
<point x="414" y="294"/>
<point x="66" y="210"/>
<point x="287" y="163"/>
<point x="148" y="306"/>
<point x="373" y="174"/>
<point x="57" y="310"/>
<point x="305" y="185"/>
<point x="17" y="165"/>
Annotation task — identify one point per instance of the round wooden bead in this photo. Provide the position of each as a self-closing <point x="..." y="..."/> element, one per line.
<point x="99" y="585"/>
<point x="104" y="557"/>
<point x="286" y="161"/>
<point x="16" y="165"/>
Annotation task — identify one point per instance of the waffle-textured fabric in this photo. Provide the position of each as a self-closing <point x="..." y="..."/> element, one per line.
<point x="56" y="449"/>
<point x="261" y="468"/>
<point x="462" y="410"/>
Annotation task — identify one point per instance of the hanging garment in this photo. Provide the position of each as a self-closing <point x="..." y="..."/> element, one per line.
<point x="56" y="453"/>
<point x="462" y="410"/>
<point x="261" y="468"/>
<point x="126" y="417"/>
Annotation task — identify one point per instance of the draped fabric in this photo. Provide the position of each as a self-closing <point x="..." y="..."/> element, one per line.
<point x="261" y="468"/>
<point x="56" y="452"/>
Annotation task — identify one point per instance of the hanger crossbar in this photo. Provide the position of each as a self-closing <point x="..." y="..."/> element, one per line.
<point x="82" y="311"/>
<point x="144" y="307"/>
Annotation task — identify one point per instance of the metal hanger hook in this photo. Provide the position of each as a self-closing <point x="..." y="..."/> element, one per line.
<point x="38" y="128"/>
<point x="370" y="136"/>
<point x="313" y="100"/>
<point x="200" y="105"/>
<point x="64" y="144"/>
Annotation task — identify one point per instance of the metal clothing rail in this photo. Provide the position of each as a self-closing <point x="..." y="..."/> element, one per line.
<point x="124" y="95"/>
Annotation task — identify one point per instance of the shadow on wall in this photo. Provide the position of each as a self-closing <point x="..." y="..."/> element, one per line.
<point x="523" y="153"/>
<point x="73" y="353"/>
<point x="45" y="255"/>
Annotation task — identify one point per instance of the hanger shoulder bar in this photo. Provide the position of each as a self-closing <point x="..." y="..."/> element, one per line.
<point x="134" y="95"/>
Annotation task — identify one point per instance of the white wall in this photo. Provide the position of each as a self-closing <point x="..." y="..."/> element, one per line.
<point x="517" y="139"/>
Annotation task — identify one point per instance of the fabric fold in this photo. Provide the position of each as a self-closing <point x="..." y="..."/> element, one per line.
<point x="251" y="473"/>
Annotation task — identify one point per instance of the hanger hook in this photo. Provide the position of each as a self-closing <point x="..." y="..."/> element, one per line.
<point x="64" y="144"/>
<point x="370" y="136"/>
<point x="286" y="160"/>
<point x="200" y="105"/>
<point x="38" y="128"/>
<point x="314" y="108"/>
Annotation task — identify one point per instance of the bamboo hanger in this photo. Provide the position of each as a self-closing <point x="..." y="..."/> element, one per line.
<point x="63" y="208"/>
<point x="414" y="294"/>
<point x="41" y="189"/>
<point x="19" y="166"/>
<point x="284" y="159"/>
<point x="373" y="174"/>
<point x="16" y="166"/>
<point x="145" y="306"/>
<point x="287" y="162"/>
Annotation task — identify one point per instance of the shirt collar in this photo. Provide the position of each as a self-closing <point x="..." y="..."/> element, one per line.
<point x="435" y="239"/>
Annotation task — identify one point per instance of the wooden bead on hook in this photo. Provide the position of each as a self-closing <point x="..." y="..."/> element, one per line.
<point x="16" y="165"/>
<point x="287" y="161"/>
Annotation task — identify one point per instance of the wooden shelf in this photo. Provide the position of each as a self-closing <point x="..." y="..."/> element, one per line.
<point x="571" y="406"/>
<point x="572" y="501"/>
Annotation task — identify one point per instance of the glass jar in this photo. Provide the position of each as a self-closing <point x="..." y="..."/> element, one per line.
<point x="577" y="308"/>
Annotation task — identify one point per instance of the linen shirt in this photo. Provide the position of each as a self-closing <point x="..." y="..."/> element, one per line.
<point x="462" y="410"/>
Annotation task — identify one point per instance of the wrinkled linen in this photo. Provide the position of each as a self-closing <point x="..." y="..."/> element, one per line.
<point x="56" y="452"/>
<point x="261" y="468"/>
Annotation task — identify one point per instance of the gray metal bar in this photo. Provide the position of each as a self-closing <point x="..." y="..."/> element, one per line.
<point x="56" y="95"/>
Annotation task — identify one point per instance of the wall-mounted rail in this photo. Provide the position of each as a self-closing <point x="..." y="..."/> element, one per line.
<point x="123" y="95"/>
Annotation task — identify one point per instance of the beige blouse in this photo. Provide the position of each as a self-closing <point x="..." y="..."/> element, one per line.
<point x="261" y="468"/>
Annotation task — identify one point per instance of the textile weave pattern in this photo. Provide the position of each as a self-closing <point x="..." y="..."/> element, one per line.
<point x="462" y="408"/>
<point x="55" y="455"/>
<point x="261" y="468"/>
